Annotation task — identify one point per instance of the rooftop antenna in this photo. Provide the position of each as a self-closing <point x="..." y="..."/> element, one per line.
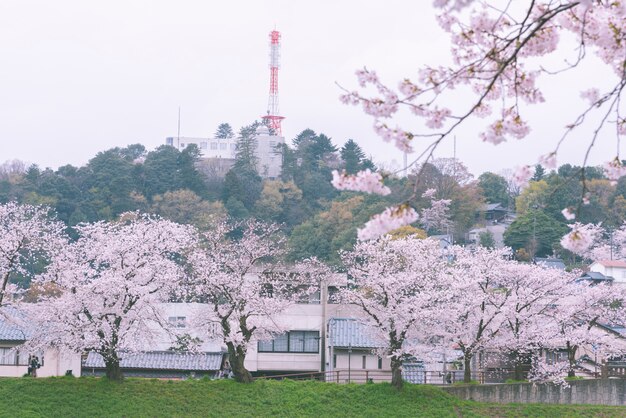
<point x="178" y="137"/>
<point x="272" y="119"/>
<point x="454" y="156"/>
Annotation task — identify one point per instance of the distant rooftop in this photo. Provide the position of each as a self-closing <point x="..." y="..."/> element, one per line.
<point x="612" y="263"/>
<point x="350" y="332"/>
<point x="554" y="263"/>
<point x="161" y="360"/>
<point x="12" y="327"/>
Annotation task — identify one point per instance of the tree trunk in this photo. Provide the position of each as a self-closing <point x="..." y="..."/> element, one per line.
<point x="237" y="357"/>
<point x="112" y="367"/>
<point x="467" y="373"/>
<point x="571" y="358"/>
<point x="519" y="361"/>
<point x="396" y="373"/>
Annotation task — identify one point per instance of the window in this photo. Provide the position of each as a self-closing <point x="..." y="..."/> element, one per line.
<point x="223" y="146"/>
<point x="169" y="141"/>
<point x="364" y="362"/>
<point x="213" y="145"/>
<point x="334" y="361"/>
<point x="8" y="356"/>
<point x="182" y="145"/>
<point x="333" y="294"/>
<point x="177" y="321"/>
<point x="233" y="146"/>
<point x="380" y="363"/>
<point x="203" y="145"/>
<point x="272" y="144"/>
<point x="292" y="342"/>
<point x="553" y="357"/>
<point x="267" y="290"/>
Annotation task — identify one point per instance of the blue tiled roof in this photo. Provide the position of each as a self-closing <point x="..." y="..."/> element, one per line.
<point x="161" y="360"/>
<point x="11" y="328"/>
<point x="349" y="332"/>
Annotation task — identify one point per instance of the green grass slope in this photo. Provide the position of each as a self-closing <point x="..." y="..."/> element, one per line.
<point x="91" y="397"/>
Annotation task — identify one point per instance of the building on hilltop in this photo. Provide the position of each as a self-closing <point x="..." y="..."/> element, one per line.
<point x="218" y="154"/>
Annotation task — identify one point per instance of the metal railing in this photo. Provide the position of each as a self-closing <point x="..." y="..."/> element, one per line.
<point x="376" y="376"/>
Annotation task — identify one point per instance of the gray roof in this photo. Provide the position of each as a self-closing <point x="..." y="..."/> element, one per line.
<point x="493" y="206"/>
<point x="349" y="332"/>
<point x="161" y="360"/>
<point x="12" y="327"/>
<point x="555" y="263"/>
<point x="594" y="275"/>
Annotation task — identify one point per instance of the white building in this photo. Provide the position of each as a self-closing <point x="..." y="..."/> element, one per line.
<point x="270" y="161"/>
<point x="209" y="147"/>
<point x="219" y="153"/>
<point x="610" y="268"/>
<point x="14" y="360"/>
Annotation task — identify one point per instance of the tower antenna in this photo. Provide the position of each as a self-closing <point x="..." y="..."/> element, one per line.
<point x="178" y="137"/>
<point x="273" y="120"/>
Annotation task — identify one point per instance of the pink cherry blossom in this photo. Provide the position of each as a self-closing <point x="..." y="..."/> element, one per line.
<point x="363" y="181"/>
<point x="522" y="175"/>
<point x="390" y="219"/>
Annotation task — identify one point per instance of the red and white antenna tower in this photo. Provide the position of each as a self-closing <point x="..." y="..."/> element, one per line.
<point x="272" y="118"/>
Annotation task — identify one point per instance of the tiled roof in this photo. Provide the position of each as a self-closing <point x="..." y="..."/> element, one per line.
<point x="594" y="275"/>
<point x="492" y="206"/>
<point x="612" y="263"/>
<point x="161" y="360"/>
<point x="555" y="263"/>
<point x="349" y="332"/>
<point x="11" y="328"/>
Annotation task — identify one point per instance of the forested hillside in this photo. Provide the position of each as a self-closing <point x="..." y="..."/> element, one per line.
<point x="318" y="219"/>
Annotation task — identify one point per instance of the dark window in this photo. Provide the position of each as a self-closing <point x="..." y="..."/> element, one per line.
<point x="333" y="294"/>
<point x="292" y="342"/>
<point x="365" y="362"/>
<point x="380" y="363"/>
<point x="334" y="361"/>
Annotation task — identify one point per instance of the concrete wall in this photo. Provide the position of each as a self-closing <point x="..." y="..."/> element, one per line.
<point x="592" y="391"/>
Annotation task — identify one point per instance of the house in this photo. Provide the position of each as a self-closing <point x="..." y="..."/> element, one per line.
<point x="351" y="350"/>
<point x="554" y="263"/>
<point x="596" y="278"/>
<point x="14" y="359"/>
<point x="611" y="268"/>
<point x="493" y="212"/>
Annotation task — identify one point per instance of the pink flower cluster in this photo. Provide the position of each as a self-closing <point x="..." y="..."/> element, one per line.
<point x="363" y="181"/>
<point x="522" y="175"/>
<point x="614" y="169"/>
<point x="401" y="139"/>
<point x="568" y="214"/>
<point x="581" y="238"/>
<point x="390" y="219"/>
<point x="548" y="160"/>
<point x="510" y="124"/>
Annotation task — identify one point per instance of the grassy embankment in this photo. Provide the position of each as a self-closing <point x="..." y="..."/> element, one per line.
<point x="91" y="397"/>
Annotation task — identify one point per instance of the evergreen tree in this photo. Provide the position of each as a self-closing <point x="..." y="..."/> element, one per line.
<point x="539" y="173"/>
<point x="224" y="131"/>
<point x="352" y="155"/>
<point x="243" y="182"/>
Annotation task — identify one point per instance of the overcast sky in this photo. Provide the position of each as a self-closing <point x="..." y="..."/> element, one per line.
<point x="78" y="77"/>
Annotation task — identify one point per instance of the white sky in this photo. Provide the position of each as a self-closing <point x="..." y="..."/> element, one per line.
<point x="78" y="77"/>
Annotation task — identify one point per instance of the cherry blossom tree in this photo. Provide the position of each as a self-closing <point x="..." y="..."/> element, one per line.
<point x="398" y="285"/>
<point x="577" y="320"/>
<point x="109" y="284"/>
<point x="26" y="233"/>
<point x="237" y="274"/>
<point x="498" y="52"/>
<point x="474" y="317"/>
<point x="533" y="292"/>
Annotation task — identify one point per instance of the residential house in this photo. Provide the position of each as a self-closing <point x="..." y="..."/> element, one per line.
<point x="611" y="268"/>
<point x="14" y="359"/>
